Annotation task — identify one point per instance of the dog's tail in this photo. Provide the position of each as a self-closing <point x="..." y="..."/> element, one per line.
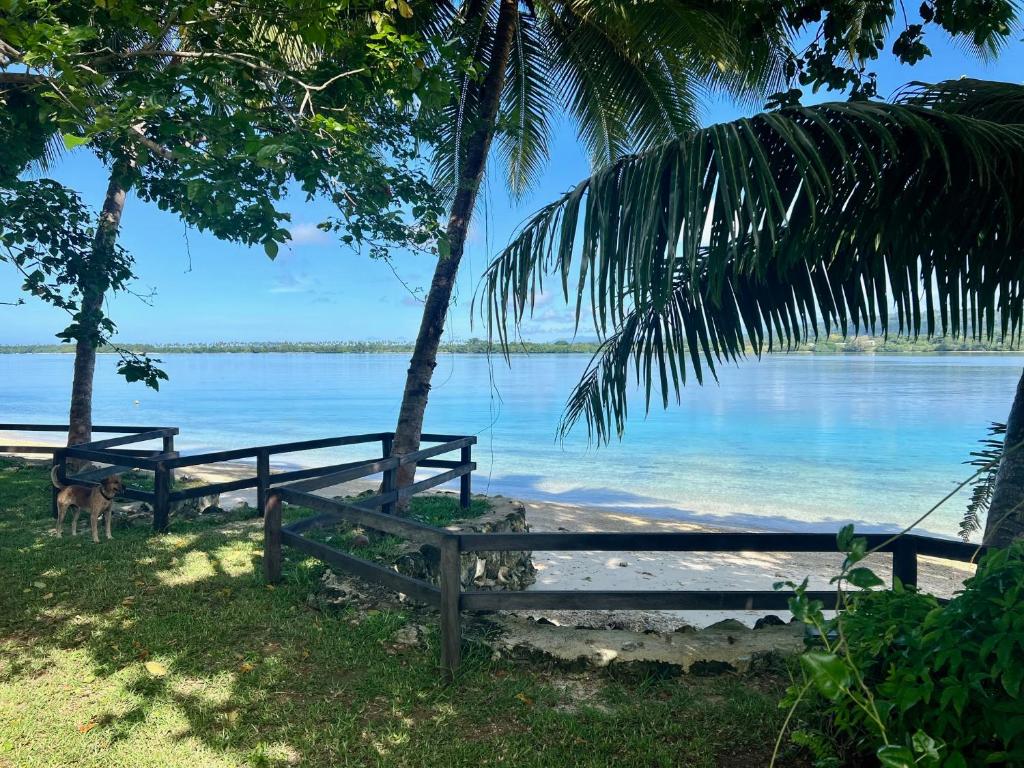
<point x="55" y="479"/>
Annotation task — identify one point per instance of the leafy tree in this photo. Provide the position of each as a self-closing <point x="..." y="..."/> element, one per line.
<point x="771" y="229"/>
<point x="213" y="111"/>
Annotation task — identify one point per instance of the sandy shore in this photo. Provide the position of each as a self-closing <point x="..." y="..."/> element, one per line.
<point x="654" y="570"/>
<point x="646" y="570"/>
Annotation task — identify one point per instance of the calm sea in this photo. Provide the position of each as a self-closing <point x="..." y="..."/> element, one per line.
<point x="791" y="442"/>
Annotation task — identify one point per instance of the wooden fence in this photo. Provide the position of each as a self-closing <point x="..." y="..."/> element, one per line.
<point x="164" y="463"/>
<point x="449" y="597"/>
<point x="297" y="486"/>
<point x="106" y="451"/>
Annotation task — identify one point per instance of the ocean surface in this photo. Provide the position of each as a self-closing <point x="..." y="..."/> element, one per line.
<point x="793" y="442"/>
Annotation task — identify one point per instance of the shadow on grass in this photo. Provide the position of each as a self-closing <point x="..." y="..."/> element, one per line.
<point x="171" y="650"/>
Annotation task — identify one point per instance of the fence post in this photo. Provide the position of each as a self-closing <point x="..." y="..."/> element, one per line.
<point x="388" y="483"/>
<point x="466" y="481"/>
<point x="904" y="560"/>
<point x="161" y="500"/>
<point x="272" y="539"/>
<point x="58" y="461"/>
<point x="169" y="448"/>
<point x="262" y="480"/>
<point x="451" y="593"/>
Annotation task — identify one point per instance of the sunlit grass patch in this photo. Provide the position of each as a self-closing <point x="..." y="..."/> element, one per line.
<point x="172" y="651"/>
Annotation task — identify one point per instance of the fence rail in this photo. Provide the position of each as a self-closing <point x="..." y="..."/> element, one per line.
<point x="164" y="463"/>
<point x="449" y="597"/>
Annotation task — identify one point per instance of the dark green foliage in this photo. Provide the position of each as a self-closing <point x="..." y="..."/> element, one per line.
<point x="47" y="234"/>
<point x="912" y="682"/>
<point x="850" y="35"/>
<point x="441" y="509"/>
<point x="214" y="113"/>
<point x="629" y="75"/>
<point x="986" y="459"/>
<point x="437" y="509"/>
<point x="770" y="230"/>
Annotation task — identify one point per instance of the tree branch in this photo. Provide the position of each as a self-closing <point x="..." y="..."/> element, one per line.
<point x="23" y="78"/>
<point x="10" y="53"/>
<point x="147" y="142"/>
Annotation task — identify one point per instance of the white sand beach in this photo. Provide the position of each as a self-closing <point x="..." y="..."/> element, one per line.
<point x="644" y="570"/>
<point x="652" y="570"/>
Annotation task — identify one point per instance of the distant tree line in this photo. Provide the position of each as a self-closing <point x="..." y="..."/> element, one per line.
<point x="833" y="345"/>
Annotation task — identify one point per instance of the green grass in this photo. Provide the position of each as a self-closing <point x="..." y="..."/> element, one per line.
<point x="255" y="677"/>
<point x="145" y="481"/>
<point x="438" y="510"/>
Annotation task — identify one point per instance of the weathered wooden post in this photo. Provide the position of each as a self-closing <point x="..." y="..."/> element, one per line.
<point x="387" y="484"/>
<point x="58" y="462"/>
<point x="168" y="448"/>
<point x="272" y="539"/>
<point x="904" y="561"/>
<point x="262" y="480"/>
<point x="451" y="593"/>
<point x="466" y="481"/>
<point x="161" y="497"/>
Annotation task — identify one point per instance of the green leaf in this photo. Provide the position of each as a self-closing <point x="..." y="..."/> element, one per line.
<point x="925" y="745"/>
<point x="864" y="578"/>
<point x="844" y="539"/>
<point x="270" y="246"/>
<point x="829" y="673"/>
<point x="895" y="756"/>
<point x="73" y="142"/>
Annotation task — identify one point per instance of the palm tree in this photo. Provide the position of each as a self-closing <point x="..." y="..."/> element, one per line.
<point x="760" y="233"/>
<point x="630" y="74"/>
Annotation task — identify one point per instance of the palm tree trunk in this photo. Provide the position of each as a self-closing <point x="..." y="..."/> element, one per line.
<point x="1006" y="512"/>
<point x="435" y="310"/>
<point x="93" y="287"/>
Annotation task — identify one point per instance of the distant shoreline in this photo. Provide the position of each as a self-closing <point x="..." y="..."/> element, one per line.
<point x="833" y="346"/>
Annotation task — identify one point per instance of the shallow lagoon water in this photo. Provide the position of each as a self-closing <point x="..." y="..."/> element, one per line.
<point x="793" y="442"/>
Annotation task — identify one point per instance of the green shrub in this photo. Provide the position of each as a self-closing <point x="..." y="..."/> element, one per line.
<point x="915" y="683"/>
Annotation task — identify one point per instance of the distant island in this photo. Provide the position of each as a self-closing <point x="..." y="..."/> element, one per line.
<point x="833" y="345"/>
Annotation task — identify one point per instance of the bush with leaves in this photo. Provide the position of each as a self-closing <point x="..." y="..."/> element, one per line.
<point x="215" y="112"/>
<point x="904" y="681"/>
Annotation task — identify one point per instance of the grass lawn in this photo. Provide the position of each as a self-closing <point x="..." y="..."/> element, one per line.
<point x="172" y="651"/>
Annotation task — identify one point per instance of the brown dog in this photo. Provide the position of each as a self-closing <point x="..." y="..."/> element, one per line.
<point x="98" y="501"/>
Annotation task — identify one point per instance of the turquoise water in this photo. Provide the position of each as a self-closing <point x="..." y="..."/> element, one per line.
<point x="791" y="442"/>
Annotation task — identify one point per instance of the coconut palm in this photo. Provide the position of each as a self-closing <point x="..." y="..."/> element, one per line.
<point x="631" y="75"/>
<point x="758" y="234"/>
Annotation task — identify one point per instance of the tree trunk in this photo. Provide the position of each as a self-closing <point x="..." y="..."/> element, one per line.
<point x="1006" y="512"/>
<point x="93" y="286"/>
<point x="435" y="310"/>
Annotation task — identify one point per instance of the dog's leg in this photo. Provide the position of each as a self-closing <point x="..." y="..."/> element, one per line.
<point x="94" y="521"/>
<point x="74" y="521"/>
<point x="61" y="512"/>
<point x="107" y="515"/>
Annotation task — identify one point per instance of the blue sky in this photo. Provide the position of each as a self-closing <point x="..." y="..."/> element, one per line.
<point x="208" y="290"/>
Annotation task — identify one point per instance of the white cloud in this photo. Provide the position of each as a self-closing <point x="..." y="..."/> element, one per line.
<point x="290" y="283"/>
<point x="306" y="233"/>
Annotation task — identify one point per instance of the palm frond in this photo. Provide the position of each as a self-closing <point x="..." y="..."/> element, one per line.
<point x="772" y="228"/>
<point x="584" y="94"/>
<point x="632" y="75"/>
<point x="527" y="105"/>
<point x="473" y="28"/>
<point x="985" y="458"/>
